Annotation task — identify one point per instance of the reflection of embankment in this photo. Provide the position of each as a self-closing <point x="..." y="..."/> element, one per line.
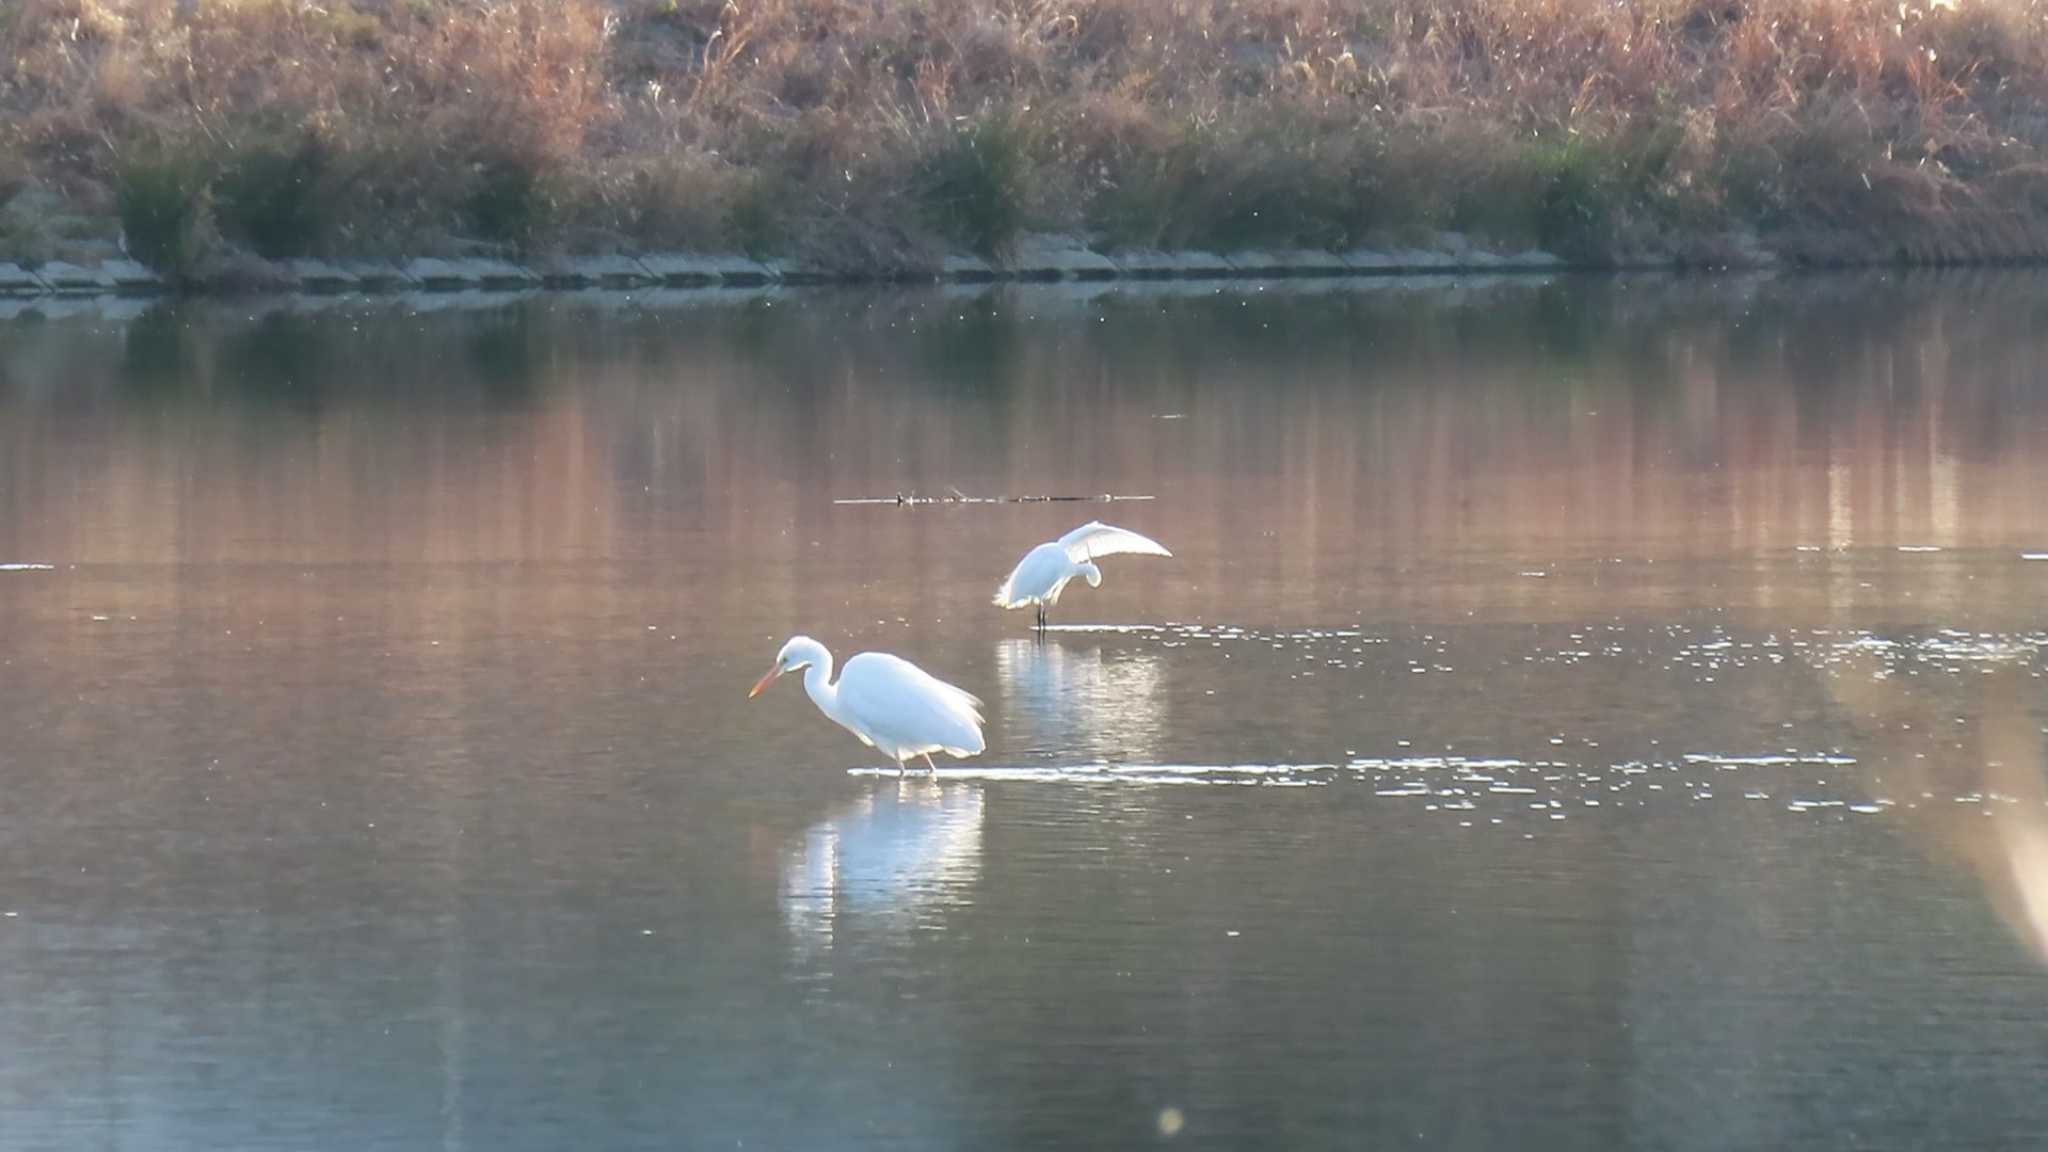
<point x="1970" y="792"/>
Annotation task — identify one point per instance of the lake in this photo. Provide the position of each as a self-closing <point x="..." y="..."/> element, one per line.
<point x="1578" y="713"/>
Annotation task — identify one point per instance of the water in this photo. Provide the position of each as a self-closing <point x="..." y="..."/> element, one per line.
<point x="1578" y="714"/>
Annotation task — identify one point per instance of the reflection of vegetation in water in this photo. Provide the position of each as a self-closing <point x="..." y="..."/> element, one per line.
<point x="282" y="359"/>
<point x="950" y="341"/>
<point x="153" y="350"/>
<point x="972" y="346"/>
<point x="279" y="357"/>
<point x="499" y="349"/>
<point x="1404" y="400"/>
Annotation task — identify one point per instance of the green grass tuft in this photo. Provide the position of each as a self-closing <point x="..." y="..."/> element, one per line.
<point x="974" y="181"/>
<point x="275" y="195"/>
<point x="163" y="204"/>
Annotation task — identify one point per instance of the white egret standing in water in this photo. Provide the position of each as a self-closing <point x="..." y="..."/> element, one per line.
<point x="894" y="706"/>
<point x="1042" y="574"/>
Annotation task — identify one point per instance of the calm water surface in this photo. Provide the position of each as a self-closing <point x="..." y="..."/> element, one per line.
<point x="1577" y="715"/>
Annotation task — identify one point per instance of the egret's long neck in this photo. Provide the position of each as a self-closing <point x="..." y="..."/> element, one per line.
<point x="818" y="682"/>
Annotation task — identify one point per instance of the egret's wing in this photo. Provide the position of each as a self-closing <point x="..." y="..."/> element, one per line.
<point x="1095" y="539"/>
<point x="1006" y="592"/>
<point x="898" y="701"/>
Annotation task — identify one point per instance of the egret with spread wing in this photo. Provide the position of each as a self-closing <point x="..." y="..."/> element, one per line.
<point x="1039" y="577"/>
<point x="894" y="706"/>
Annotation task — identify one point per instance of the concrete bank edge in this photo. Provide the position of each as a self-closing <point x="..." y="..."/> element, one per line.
<point x="1035" y="258"/>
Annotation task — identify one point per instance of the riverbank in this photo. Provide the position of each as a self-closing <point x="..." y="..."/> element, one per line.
<point x="223" y="145"/>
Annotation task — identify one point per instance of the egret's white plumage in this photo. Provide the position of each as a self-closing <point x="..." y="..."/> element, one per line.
<point x="894" y="706"/>
<point x="1040" y="577"/>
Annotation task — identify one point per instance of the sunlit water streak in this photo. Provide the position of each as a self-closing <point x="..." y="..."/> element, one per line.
<point x="1495" y="787"/>
<point x="1286" y="775"/>
<point x="1505" y="790"/>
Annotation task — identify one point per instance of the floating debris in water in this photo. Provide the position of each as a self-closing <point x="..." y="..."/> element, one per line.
<point x="907" y="499"/>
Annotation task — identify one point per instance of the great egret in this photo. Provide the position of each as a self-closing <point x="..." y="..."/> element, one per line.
<point x="894" y="706"/>
<point x="1044" y="571"/>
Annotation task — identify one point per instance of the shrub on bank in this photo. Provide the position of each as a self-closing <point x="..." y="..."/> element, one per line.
<point x="162" y="195"/>
<point x="276" y="194"/>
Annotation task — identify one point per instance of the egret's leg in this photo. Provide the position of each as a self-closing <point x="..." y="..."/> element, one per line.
<point x="931" y="767"/>
<point x="900" y="770"/>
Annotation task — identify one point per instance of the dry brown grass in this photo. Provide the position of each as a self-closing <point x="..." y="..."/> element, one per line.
<point x="879" y="134"/>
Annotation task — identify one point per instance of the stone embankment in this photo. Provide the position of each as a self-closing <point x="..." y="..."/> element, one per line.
<point x="1036" y="258"/>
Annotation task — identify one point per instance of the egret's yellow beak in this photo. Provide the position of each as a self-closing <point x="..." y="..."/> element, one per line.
<point x="764" y="681"/>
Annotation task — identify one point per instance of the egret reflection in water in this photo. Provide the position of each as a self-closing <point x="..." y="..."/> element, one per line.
<point x="1083" y="701"/>
<point x="888" y="861"/>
